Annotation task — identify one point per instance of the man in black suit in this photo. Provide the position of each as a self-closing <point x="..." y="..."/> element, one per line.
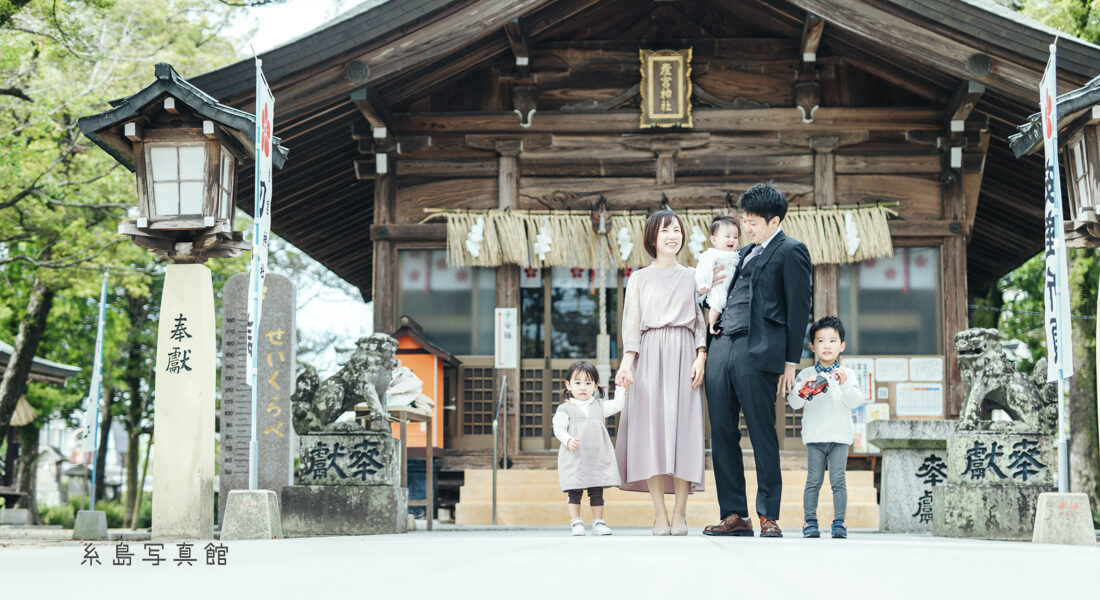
<point x="754" y="358"/>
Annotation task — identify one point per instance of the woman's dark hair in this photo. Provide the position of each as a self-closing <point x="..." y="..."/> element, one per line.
<point x="589" y="369"/>
<point x="721" y="220"/>
<point x="654" y="224"/>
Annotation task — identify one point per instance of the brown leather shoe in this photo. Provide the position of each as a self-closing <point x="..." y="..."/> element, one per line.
<point x="768" y="528"/>
<point x="731" y="525"/>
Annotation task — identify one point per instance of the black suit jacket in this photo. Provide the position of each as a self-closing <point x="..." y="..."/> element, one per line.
<point x="782" y="295"/>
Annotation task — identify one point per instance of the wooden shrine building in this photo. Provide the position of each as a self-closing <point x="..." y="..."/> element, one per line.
<point x="413" y="122"/>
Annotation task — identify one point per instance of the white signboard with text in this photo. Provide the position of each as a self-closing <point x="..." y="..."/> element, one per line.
<point x="506" y="338"/>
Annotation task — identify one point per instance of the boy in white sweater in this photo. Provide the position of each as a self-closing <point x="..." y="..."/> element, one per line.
<point x="827" y="393"/>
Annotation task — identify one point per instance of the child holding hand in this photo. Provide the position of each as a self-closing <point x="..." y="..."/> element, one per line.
<point x="827" y="393"/>
<point x="586" y="459"/>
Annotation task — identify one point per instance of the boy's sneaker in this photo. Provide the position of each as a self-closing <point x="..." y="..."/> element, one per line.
<point x="810" y="530"/>
<point x="839" y="530"/>
<point x="577" y="527"/>
<point x="599" y="527"/>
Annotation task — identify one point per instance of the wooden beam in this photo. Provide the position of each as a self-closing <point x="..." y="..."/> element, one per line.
<point x="962" y="102"/>
<point x="373" y="109"/>
<point x="517" y="38"/>
<point x="384" y="292"/>
<point x="924" y="45"/>
<point x="826" y="277"/>
<point x="973" y="171"/>
<point x="812" y="29"/>
<point x="826" y="120"/>
<point x="409" y="232"/>
<point x="932" y="228"/>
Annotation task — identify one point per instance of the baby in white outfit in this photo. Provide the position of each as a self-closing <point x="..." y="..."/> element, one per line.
<point x="724" y="234"/>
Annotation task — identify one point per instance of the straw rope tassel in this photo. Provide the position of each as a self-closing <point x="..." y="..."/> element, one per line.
<point x="509" y="236"/>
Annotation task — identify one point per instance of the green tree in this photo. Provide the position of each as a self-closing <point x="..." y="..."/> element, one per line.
<point x="60" y="197"/>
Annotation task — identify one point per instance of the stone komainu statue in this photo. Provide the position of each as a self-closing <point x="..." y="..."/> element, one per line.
<point x="363" y="379"/>
<point x="989" y="376"/>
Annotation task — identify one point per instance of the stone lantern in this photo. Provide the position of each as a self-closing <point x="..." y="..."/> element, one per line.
<point x="1079" y="143"/>
<point x="185" y="148"/>
<point x="1081" y="152"/>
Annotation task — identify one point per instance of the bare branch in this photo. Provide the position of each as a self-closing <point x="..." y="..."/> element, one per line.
<point x="15" y="93"/>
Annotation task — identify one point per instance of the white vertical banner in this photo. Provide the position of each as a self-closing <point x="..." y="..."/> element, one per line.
<point x="261" y="229"/>
<point x="1056" y="281"/>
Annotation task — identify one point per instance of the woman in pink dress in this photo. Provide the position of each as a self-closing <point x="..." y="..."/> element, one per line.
<point x="660" y="438"/>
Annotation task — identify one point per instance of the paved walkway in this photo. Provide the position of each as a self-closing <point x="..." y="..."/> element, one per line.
<point x="547" y="563"/>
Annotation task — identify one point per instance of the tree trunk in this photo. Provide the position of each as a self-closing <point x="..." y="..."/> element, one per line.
<point x="104" y="444"/>
<point x="27" y="472"/>
<point x="141" y="486"/>
<point x="31" y="328"/>
<point x="1084" y="464"/>
<point x="137" y="310"/>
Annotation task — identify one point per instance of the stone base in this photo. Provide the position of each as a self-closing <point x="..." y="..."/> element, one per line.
<point x="310" y="510"/>
<point x="1064" y="519"/>
<point x="353" y="458"/>
<point x="990" y="512"/>
<point x="252" y="515"/>
<point x="90" y="525"/>
<point x="15" y="516"/>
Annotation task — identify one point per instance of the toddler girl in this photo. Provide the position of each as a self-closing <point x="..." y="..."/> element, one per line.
<point x="586" y="459"/>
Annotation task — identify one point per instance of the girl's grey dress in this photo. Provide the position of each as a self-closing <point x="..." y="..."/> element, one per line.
<point x="592" y="464"/>
<point x="661" y="428"/>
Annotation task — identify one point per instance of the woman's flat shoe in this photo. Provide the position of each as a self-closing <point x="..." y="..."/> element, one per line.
<point x="679" y="530"/>
<point x="661" y="530"/>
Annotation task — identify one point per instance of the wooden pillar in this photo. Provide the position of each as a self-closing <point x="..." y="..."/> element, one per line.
<point x="507" y="294"/>
<point x="666" y="167"/>
<point x="955" y="295"/>
<point x="826" y="301"/>
<point x="384" y="280"/>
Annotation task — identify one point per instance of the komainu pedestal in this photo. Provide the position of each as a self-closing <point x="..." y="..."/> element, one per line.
<point x="347" y="484"/>
<point x="348" y="480"/>
<point x="993" y="485"/>
<point x="996" y="470"/>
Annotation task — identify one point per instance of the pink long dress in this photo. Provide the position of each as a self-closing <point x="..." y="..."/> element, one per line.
<point x="661" y="427"/>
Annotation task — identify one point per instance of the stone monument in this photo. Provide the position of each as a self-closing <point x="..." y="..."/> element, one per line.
<point x="914" y="462"/>
<point x="348" y="479"/>
<point x="183" y="422"/>
<point x="275" y="349"/>
<point x="996" y="470"/>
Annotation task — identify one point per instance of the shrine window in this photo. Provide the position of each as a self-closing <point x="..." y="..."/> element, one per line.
<point x="893" y="305"/>
<point x="454" y="305"/>
<point x="565" y="302"/>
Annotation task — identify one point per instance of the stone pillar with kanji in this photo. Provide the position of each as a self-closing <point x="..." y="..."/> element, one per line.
<point x="183" y="423"/>
<point x="275" y="347"/>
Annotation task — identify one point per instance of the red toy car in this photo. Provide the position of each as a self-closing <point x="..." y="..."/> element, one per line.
<point x="813" y="387"/>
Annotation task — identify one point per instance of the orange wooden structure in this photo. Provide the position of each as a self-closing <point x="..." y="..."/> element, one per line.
<point x="434" y="366"/>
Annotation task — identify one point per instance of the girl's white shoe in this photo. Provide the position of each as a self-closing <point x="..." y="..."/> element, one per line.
<point x="600" y="528"/>
<point x="578" y="527"/>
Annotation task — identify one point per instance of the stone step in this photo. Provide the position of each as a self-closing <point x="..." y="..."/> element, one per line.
<point x="536" y="476"/>
<point x="638" y="514"/>
<point x="533" y="497"/>
<point x="546" y="491"/>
